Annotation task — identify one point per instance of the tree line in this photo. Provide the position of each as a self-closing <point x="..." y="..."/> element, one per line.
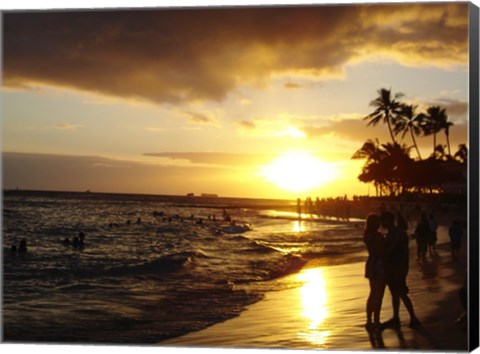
<point x="390" y="167"/>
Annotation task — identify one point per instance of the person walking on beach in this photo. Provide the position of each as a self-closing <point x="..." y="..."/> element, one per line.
<point x="396" y="263"/>
<point x="432" y="240"/>
<point x="422" y="236"/>
<point x="455" y="232"/>
<point x="402" y="224"/>
<point x="374" y="270"/>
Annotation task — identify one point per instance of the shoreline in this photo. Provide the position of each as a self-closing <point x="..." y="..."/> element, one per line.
<point x="328" y="310"/>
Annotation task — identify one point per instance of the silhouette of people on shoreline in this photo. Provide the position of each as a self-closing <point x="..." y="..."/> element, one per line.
<point x="299" y="208"/>
<point x="396" y="263"/>
<point x="374" y="270"/>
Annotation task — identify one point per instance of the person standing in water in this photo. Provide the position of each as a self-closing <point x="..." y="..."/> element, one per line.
<point x="299" y="208"/>
<point x="396" y="262"/>
<point x="374" y="270"/>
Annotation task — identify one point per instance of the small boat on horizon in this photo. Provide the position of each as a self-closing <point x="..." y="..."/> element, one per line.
<point x="209" y="195"/>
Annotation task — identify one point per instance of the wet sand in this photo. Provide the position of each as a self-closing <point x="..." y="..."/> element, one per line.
<point x="327" y="311"/>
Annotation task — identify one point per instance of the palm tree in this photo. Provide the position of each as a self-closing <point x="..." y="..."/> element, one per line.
<point x="371" y="171"/>
<point x="411" y="122"/>
<point x="462" y="153"/>
<point x="386" y="110"/>
<point x="370" y="150"/>
<point x="433" y="122"/>
<point x="439" y="153"/>
<point x="398" y="163"/>
<point x="388" y="165"/>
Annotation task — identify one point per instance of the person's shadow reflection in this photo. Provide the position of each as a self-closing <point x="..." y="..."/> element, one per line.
<point x="375" y="337"/>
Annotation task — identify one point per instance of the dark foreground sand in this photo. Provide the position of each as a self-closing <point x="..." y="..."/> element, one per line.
<point x="328" y="311"/>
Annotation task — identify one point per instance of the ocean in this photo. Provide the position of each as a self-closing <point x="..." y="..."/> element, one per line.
<point x="151" y="267"/>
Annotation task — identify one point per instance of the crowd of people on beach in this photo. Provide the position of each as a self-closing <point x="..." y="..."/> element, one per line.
<point x="338" y="208"/>
<point x="387" y="265"/>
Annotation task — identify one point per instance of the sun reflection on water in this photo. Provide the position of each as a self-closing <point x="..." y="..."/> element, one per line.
<point x="314" y="300"/>
<point x="298" y="226"/>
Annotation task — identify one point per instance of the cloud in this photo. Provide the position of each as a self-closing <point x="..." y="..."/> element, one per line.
<point x="356" y="130"/>
<point x="198" y="117"/>
<point x="216" y="158"/>
<point x="154" y="129"/>
<point x="67" y="126"/>
<point x="292" y="85"/>
<point x="456" y="109"/>
<point x="245" y="102"/>
<point x="247" y="124"/>
<point x="180" y="55"/>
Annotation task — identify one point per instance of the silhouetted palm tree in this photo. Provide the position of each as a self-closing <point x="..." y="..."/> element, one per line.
<point x="462" y="153"/>
<point x="411" y="122"/>
<point x="370" y="150"/>
<point x="439" y="153"/>
<point x="433" y="121"/>
<point x="371" y="171"/>
<point x="386" y="110"/>
<point x="398" y="163"/>
<point x="388" y="165"/>
<point x="446" y="127"/>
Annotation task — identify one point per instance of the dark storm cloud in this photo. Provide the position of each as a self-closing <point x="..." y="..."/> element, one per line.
<point x="187" y="54"/>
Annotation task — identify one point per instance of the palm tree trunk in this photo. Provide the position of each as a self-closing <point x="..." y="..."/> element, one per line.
<point x="434" y="142"/>
<point x="390" y="130"/>
<point x="415" y="143"/>
<point x="448" y="143"/>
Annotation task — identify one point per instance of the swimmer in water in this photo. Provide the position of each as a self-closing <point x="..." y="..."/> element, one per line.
<point x="23" y="246"/>
<point x="81" y="239"/>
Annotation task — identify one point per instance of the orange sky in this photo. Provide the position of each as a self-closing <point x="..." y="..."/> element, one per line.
<point x="204" y="100"/>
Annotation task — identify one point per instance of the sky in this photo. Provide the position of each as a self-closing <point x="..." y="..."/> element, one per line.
<point x="263" y="102"/>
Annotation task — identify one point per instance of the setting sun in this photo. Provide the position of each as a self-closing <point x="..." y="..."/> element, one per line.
<point x="299" y="171"/>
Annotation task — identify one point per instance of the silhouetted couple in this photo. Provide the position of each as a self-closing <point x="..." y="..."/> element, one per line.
<point x="387" y="265"/>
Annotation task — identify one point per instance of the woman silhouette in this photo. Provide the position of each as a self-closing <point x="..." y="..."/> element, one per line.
<point x="374" y="270"/>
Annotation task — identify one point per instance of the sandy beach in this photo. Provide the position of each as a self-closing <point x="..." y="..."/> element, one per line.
<point x="327" y="310"/>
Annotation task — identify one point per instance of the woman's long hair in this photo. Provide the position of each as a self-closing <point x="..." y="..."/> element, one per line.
<point x="372" y="224"/>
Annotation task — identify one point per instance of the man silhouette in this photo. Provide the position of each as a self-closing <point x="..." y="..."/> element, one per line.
<point x="396" y="269"/>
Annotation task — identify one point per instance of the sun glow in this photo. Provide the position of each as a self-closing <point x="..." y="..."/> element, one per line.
<point x="299" y="172"/>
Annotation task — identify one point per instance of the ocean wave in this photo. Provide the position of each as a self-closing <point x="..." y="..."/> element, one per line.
<point x="165" y="264"/>
<point x="256" y="247"/>
<point x="287" y="264"/>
